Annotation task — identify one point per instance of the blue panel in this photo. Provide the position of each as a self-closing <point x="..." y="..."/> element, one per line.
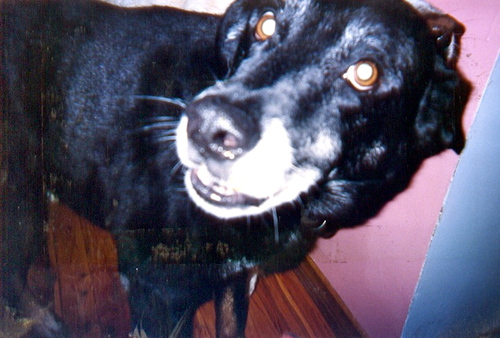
<point x="458" y="294"/>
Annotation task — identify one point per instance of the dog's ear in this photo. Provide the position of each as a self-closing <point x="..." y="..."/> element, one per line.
<point x="447" y="32"/>
<point x="438" y="124"/>
<point x="446" y="29"/>
<point x="439" y="119"/>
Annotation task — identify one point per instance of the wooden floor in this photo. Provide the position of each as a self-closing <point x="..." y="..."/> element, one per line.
<point x="91" y="301"/>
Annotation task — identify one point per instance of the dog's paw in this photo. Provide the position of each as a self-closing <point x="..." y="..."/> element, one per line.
<point x="45" y="324"/>
<point x="38" y="320"/>
<point x="39" y="323"/>
<point x="10" y="324"/>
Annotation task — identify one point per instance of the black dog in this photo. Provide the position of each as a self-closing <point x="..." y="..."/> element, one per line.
<point x="291" y="119"/>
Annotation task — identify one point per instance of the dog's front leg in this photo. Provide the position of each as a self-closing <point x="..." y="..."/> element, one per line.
<point x="231" y="304"/>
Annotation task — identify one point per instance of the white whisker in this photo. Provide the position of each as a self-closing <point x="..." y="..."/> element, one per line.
<point x="172" y="146"/>
<point x="175" y="101"/>
<point x="175" y="169"/>
<point x="167" y="138"/>
<point x="161" y="118"/>
<point x="160" y="125"/>
<point x="300" y="202"/>
<point x="276" y="227"/>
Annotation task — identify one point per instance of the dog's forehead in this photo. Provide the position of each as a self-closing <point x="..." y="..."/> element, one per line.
<point x="348" y="25"/>
<point x="335" y="14"/>
<point x="299" y="7"/>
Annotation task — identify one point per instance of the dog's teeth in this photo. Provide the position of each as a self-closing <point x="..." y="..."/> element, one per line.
<point x="235" y="185"/>
<point x="215" y="197"/>
<point x="218" y="186"/>
<point x="204" y="176"/>
<point x="223" y="190"/>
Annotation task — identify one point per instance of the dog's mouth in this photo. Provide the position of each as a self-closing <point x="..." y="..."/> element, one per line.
<point x="220" y="192"/>
<point x="257" y="182"/>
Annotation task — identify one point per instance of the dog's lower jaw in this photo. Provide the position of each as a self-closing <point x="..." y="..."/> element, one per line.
<point x="219" y="191"/>
<point x="238" y="205"/>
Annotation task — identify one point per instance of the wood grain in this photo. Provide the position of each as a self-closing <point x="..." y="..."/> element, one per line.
<point x="87" y="294"/>
<point x="90" y="299"/>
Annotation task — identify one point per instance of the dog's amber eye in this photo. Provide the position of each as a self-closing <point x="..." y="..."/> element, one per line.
<point x="265" y="27"/>
<point x="362" y="75"/>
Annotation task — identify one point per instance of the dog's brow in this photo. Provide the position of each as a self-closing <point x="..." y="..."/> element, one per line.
<point x="362" y="32"/>
<point x="300" y="6"/>
<point x="353" y="34"/>
<point x="298" y="12"/>
<point x="234" y="33"/>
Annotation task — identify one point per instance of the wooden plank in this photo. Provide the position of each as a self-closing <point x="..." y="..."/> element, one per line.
<point x="328" y="301"/>
<point x="87" y="293"/>
<point x="89" y="297"/>
<point x="299" y="303"/>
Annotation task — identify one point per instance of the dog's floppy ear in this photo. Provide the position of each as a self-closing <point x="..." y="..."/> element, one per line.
<point x="446" y="29"/>
<point x="439" y="119"/>
<point x="447" y="32"/>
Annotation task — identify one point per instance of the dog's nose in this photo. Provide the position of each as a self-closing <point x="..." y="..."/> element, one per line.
<point x="219" y="129"/>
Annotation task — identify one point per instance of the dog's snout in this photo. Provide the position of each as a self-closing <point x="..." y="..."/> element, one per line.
<point x="219" y="129"/>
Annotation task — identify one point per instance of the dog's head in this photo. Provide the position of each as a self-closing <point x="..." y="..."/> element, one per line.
<point x="327" y="104"/>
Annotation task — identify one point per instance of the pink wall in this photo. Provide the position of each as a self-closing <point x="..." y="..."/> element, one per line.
<point x="375" y="268"/>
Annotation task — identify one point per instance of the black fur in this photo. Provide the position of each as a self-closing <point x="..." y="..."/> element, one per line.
<point x="84" y="118"/>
